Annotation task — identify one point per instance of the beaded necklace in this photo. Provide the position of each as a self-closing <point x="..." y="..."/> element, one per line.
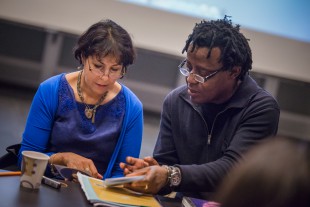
<point x="89" y="112"/>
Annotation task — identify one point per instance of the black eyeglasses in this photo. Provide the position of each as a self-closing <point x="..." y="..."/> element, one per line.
<point x="67" y="173"/>
<point x="186" y="72"/>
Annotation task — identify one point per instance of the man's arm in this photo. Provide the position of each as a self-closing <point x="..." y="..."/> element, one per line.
<point x="259" y="122"/>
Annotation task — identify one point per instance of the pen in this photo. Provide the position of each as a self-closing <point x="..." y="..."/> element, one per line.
<point x="10" y="173"/>
<point x="50" y="182"/>
<point x="53" y="183"/>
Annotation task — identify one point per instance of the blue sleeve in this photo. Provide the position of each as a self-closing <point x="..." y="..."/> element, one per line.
<point x="130" y="140"/>
<point x="40" y="118"/>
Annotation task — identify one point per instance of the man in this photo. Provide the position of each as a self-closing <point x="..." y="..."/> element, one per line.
<point x="209" y="123"/>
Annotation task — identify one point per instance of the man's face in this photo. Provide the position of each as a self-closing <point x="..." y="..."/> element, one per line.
<point x="216" y="89"/>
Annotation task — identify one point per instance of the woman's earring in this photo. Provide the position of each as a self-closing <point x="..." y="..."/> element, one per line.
<point x="80" y="67"/>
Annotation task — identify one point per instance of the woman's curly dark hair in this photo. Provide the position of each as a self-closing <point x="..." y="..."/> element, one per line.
<point x="106" y="38"/>
<point x="235" y="49"/>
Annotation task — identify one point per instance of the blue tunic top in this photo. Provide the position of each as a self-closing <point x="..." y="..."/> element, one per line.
<point x="57" y="123"/>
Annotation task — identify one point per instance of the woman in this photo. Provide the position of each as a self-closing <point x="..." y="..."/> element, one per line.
<point x="86" y="119"/>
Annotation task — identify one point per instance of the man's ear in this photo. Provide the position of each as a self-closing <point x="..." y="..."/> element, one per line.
<point x="235" y="72"/>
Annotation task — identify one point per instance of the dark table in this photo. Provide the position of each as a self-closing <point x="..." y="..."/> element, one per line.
<point x="12" y="195"/>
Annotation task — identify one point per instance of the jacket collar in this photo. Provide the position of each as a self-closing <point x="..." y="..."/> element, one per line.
<point x="247" y="89"/>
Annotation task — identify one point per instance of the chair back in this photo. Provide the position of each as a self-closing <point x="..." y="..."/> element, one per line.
<point x="9" y="160"/>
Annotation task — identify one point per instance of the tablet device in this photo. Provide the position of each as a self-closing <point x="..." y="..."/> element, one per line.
<point x="122" y="180"/>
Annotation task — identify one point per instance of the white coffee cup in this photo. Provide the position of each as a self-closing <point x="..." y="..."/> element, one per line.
<point x="33" y="168"/>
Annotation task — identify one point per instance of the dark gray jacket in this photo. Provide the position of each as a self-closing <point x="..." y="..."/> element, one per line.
<point x="250" y="115"/>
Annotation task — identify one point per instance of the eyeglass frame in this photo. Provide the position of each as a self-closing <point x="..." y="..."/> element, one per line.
<point x="102" y="73"/>
<point x="67" y="173"/>
<point x="185" y="72"/>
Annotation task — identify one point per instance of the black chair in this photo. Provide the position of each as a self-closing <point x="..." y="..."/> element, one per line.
<point x="9" y="160"/>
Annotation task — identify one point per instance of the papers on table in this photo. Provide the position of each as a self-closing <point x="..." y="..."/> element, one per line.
<point x="99" y="194"/>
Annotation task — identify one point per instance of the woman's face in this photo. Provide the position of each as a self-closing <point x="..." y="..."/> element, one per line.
<point x="101" y="74"/>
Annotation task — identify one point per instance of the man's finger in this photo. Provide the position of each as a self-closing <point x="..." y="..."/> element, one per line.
<point x="130" y="160"/>
<point x="122" y="165"/>
<point x="150" y="161"/>
<point x="126" y="171"/>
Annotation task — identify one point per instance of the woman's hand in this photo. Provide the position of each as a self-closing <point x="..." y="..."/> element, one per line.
<point x="76" y="161"/>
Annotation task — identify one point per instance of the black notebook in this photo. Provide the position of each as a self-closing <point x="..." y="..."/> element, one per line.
<point x="195" y="202"/>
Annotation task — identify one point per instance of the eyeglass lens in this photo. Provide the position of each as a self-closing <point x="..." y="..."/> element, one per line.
<point x="114" y="74"/>
<point x="186" y="72"/>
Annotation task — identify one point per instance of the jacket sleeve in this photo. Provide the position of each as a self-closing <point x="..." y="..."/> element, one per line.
<point x="40" y="118"/>
<point x="165" y="151"/>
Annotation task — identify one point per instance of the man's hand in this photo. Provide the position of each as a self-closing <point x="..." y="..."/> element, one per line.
<point x="155" y="179"/>
<point x="132" y="164"/>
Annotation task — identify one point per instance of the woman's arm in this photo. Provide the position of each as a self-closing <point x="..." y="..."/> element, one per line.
<point x="130" y="140"/>
<point x="40" y="118"/>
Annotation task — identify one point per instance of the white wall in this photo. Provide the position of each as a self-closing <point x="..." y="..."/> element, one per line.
<point x="156" y="30"/>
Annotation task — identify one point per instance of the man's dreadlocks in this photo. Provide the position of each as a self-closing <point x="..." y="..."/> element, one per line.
<point x="235" y="49"/>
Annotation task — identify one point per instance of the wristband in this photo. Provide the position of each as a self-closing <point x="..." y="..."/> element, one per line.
<point x="168" y="174"/>
<point x="173" y="176"/>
